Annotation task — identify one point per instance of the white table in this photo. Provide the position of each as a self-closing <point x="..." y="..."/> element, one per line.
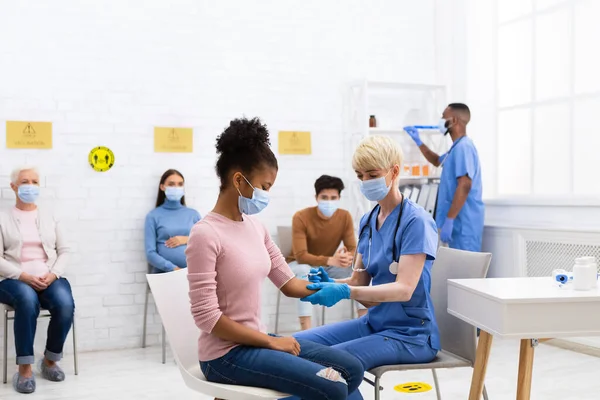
<point x="521" y="308"/>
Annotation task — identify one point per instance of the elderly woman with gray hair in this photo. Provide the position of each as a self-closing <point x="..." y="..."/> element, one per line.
<point x="33" y="257"/>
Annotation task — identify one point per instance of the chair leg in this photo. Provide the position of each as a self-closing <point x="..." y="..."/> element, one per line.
<point x="485" y="395"/>
<point x="145" y="317"/>
<point x="352" y="309"/>
<point x="164" y="344"/>
<point x="322" y="315"/>
<point x="437" y="384"/>
<point x="377" y="388"/>
<point x="5" y="357"/>
<point x="75" y="359"/>
<point x="277" y="312"/>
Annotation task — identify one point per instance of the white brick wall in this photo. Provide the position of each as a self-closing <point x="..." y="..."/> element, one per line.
<point x="106" y="73"/>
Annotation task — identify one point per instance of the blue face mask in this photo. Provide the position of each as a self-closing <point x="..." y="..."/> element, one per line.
<point x="375" y="189"/>
<point x="28" y="193"/>
<point x="174" y="193"/>
<point x="258" y="202"/>
<point x="328" y="207"/>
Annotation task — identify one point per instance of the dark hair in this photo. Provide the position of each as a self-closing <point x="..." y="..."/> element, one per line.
<point x="328" y="182"/>
<point x="461" y="107"/>
<point x="160" y="198"/>
<point x="245" y="145"/>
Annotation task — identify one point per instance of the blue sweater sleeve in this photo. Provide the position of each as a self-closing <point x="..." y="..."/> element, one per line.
<point x="152" y="255"/>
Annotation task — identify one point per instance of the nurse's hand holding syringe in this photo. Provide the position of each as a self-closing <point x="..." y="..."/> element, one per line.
<point x="317" y="275"/>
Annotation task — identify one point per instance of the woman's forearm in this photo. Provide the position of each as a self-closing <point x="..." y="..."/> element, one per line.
<point x="228" y="329"/>
<point x="388" y="292"/>
<point x="296" y="288"/>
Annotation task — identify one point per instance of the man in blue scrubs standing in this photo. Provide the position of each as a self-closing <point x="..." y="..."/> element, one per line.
<point x="460" y="210"/>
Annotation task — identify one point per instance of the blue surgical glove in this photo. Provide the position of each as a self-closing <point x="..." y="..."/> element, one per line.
<point x="318" y="275"/>
<point x="414" y="134"/>
<point x="446" y="232"/>
<point x="328" y="294"/>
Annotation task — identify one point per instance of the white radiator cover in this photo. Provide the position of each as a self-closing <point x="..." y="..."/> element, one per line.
<point x="542" y="251"/>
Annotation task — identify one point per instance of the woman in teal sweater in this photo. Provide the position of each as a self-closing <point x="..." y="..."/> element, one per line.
<point x="168" y="226"/>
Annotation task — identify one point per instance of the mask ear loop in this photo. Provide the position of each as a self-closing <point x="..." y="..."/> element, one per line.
<point x="237" y="188"/>
<point x="248" y="182"/>
<point x="393" y="180"/>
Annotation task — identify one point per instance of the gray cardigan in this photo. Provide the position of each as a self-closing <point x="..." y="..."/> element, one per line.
<point x="53" y="241"/>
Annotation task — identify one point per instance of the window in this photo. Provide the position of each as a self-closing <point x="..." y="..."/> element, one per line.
<point x="547" y="97"/>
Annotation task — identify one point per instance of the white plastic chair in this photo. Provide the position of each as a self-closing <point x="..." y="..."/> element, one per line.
<point x="145" y="324"/>
<point x="170" y="291"/>
<point x="459" y="339"/>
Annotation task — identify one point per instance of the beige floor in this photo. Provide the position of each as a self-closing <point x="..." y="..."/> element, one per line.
<point x="138" y="374"/>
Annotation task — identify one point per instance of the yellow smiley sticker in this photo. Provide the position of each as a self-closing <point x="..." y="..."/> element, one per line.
<point x="101" y="159"/>
<point x="413" y="387"/>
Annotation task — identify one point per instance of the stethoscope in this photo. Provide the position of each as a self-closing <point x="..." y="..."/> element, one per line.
<point x="449" y="151"/>
<point x="394" y="265"/>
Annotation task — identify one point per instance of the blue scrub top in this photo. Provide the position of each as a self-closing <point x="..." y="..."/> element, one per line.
<point x="462" y="159"/>
<point x="412" y="321"/>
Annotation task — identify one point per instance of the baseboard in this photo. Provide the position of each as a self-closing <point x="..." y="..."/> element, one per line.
<point x="576" y="347"/>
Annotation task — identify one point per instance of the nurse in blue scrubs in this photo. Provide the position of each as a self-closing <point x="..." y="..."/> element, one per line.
<point x="391" y="271"/>
<point x="460" y="211"/>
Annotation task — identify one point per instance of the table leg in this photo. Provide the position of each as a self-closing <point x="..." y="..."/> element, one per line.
<point x="525" y="369"/>
<point x="481" y="360"/>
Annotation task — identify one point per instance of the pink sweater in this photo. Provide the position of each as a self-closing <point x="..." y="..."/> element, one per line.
<point x="33" y="256"/>
<point x="227" y="264"/>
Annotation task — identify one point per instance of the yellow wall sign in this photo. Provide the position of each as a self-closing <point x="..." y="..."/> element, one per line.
<point x="413" y="387"/>
<point x="28" y="135"/>
<point x="101" y="158"/>
<point x="292" y="142"/>
<point x="173" y="140"/>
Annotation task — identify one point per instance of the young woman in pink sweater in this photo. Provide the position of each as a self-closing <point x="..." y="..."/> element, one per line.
<point x="229" y="255"/>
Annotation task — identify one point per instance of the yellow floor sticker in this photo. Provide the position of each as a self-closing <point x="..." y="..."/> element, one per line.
<point x="413" y="387"/>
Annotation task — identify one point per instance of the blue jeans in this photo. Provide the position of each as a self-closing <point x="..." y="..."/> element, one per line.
<point x="57" y="299"/>
<point x="298" y="376"/>
<point x="373" y="350"/>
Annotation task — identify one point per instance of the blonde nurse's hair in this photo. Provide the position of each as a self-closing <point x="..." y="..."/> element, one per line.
<point x="377" y="152"/>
